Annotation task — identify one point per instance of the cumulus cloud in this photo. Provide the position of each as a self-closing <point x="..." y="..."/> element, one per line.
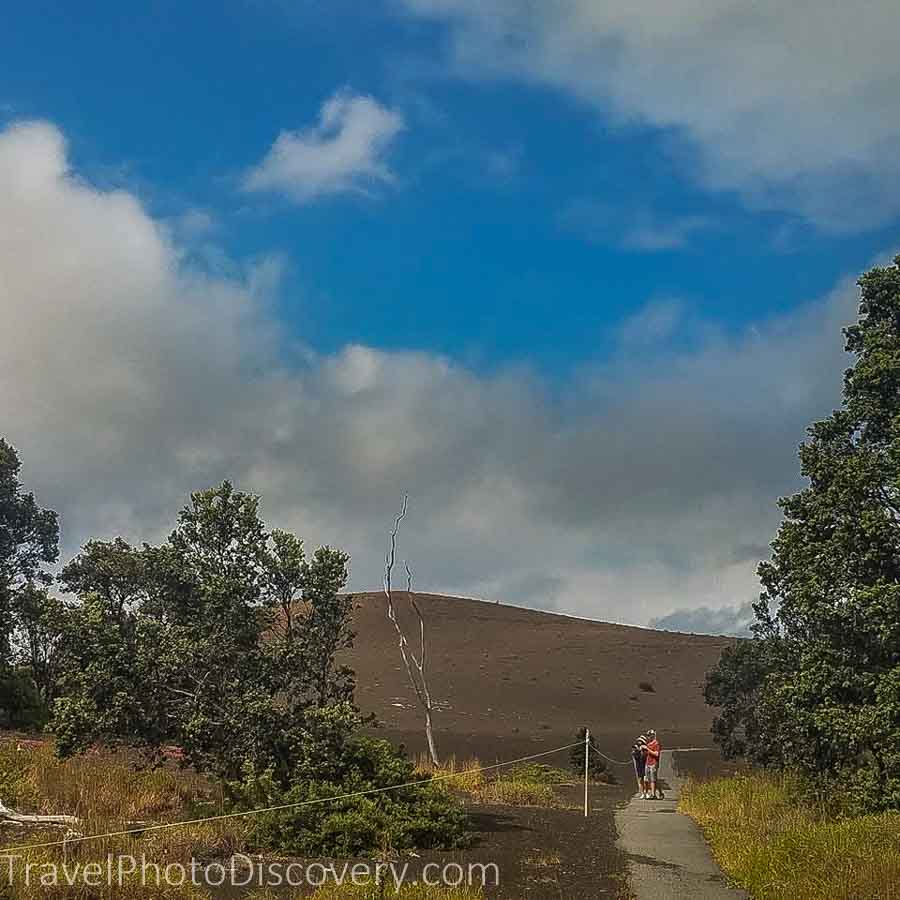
<point x="132" y="373"/>
<point x="343" y="153"/>
<point x="796" y="105"/>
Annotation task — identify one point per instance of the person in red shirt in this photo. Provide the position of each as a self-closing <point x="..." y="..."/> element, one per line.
<point x="651" y="771"/>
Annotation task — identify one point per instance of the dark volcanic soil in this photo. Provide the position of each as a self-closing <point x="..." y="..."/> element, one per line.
<point x="513" y="681"/>
<point x="547" y="854"/>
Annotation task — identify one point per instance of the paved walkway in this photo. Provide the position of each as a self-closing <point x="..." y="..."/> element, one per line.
<point x="668" y="857"/>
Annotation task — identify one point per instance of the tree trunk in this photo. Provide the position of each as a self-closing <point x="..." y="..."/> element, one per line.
<point x="419" y="678"/>
<point x="429" y="733"/>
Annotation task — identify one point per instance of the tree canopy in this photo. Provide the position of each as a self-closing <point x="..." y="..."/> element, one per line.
<point x="223" y="641"/>
<point x="819" y="687"/>
<point x="29" y="539"/>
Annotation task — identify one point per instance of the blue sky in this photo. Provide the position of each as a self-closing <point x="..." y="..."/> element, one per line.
<point x="567" y="205"/>
<point x="470" y="252"/>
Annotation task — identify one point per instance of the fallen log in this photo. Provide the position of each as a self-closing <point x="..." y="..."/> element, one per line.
<point x="8" y="815"/>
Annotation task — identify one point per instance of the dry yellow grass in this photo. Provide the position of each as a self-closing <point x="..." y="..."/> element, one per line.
<point x="517" y="792"/>
<point x="107" y="794"/>
<point x="522" y="786"/>
<point x="542" y="860"/>
<point x="465" y="775"/>
<point x="781" y="849"/>
<point x="97" y="785"/>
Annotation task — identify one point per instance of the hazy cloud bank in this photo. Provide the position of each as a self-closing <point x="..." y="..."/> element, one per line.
<point x="731" y="620"/>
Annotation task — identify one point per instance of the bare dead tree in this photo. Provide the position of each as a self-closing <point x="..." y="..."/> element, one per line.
<point x="10" y="817"/>
<point x="416" y="665"/>
<point x="22" y="820"/>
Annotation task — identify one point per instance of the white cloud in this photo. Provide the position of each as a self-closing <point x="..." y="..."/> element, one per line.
<point x="639" y="228"/>
<point x="653" y="322"/>
<point x="796" y="105"/>
<point x="129" y="375"/>
<point x="194" y="224"/>
<point x="343" y="153"/>
<point x="651" y="234"/>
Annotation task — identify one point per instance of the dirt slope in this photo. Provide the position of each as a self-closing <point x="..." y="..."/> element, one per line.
<point x="513" y="681"/>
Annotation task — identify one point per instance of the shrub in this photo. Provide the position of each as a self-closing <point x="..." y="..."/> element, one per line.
<point x="420" y="816"/>
<point x="539" y="773"/>
<point x="647" y="687"/>
<point x="597" y="769"/>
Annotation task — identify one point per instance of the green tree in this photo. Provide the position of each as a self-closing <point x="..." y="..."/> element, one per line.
<point x="29" y="539"/>
<point x="830" y="698"/>
<point x="223" y="640"/>
<point x="735" y="687"/>
<point x="113" y="570"/>
<point x="41" y="621"/>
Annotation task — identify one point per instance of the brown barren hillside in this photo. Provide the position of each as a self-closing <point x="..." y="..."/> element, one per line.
<point x="510" y="681"/>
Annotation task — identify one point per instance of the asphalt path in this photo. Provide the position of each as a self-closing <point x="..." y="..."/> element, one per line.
<point x="668" y="857"/>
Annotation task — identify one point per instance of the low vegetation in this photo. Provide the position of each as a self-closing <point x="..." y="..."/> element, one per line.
<point x="542" y="860"/>
<point x="416" y="816"/>
<point x="129" y="888"/>
<point x="102" y="786"/>
<point x="108" y="794"/>
<point x="597" y="768"/>
<point x="775" y="844"/>
<point x="522" y="785"/>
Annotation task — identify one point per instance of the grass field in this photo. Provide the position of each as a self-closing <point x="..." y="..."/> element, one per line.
<point x="107" y="794"/>
<point x="779" y="847"/>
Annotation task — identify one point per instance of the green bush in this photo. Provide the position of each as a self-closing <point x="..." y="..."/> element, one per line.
<point x="597" y="769"/>
<point x="542" y="774"/>
<point x="422" y="816"/>
<point x="854" y="791"/>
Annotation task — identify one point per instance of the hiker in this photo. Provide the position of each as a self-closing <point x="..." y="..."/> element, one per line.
<point x="638" y="757"/>
<point x="651" y="768"/>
